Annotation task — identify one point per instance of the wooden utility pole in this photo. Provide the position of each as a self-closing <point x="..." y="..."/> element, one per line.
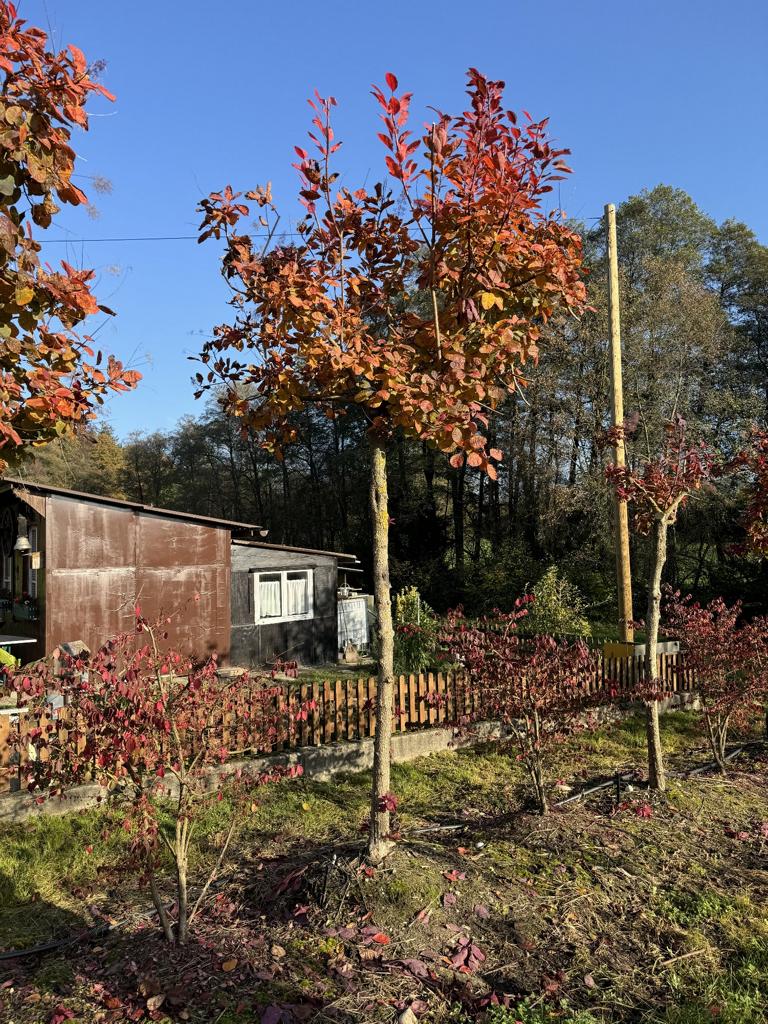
<point x="623" y="570"/>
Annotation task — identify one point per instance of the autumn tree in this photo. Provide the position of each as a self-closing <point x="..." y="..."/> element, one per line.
<point x="415" y="303"/>
<point x="538" y="688"/>
<point x="658" y="485"/>
<point x="754" y="459"/>
<point x="728" y="658"/>
<point x="150" y="726"/>
<point x="51" y="381"/>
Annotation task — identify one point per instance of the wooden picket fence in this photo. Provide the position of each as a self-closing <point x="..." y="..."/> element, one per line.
<point x="342" y="710"/>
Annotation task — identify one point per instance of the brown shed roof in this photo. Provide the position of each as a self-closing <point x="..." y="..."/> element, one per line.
<point x="18" y="485"/>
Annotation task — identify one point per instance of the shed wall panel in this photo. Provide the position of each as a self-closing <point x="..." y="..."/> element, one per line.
<point x="82" y="536"/>
<point x="308" y="641"/>
<point x="102" y="561"/>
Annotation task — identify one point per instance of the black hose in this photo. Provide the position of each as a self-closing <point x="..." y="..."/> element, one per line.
<point x="48" y="947"/>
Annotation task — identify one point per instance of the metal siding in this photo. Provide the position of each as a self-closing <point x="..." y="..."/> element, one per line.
<point x="103" y="560"/>
<point x="83" y="536"/>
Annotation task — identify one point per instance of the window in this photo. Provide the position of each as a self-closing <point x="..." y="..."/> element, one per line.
<point x="283" y="596"/>
<point x="32" y="578"/>
<point x="7" y="580"/>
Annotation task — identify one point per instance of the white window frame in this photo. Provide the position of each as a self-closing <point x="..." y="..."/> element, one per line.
<point x="284" y="574"/>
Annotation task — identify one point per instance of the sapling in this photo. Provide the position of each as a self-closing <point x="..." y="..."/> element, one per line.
<point x="658" y="486"/>
<point x="538" y="688"/>
<point x="414" y="302"/>
<point x="728" y="658"/>
<point x="155" y="729"/>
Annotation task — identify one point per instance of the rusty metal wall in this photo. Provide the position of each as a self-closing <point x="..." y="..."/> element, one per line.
<point x="102" y="560"/>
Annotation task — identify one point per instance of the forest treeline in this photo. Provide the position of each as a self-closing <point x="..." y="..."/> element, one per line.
<point x="694" y="305"/>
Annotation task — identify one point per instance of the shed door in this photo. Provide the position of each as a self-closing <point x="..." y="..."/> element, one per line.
<point x="353" y="622"/>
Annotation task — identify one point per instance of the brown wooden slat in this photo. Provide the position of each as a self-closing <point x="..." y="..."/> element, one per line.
<point x="361" y="719"/>
<point x="402" y="698"/>
<point x="422" y="707"/>
<point x="338" y="700"/>
<point x="315" y="738"/>
<point x="327" y="727"/>
<point x="371" y="715"/>
<point x="413" y="714"/>
<point x="440" y="690"/>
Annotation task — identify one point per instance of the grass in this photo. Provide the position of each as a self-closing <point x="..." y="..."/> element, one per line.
<point x="590" y="916"/>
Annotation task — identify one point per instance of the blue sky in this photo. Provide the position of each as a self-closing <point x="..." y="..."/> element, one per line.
<point x="641" y="92"/>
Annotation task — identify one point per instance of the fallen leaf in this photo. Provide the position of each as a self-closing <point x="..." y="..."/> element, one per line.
<point x="482" y="911"/>
<point x="454" y="876"/>
<point x="277" y="952"/>
<point x="154" y="1002"/>
<point x="229" y="965"/>
<point x="589" y="981"/>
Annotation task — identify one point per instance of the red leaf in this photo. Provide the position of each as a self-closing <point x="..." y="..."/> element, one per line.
<point x="391" y="80"/>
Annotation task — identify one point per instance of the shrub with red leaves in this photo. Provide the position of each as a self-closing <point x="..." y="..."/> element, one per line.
<point x="537" y="688"/>
<point x="729" y="660"/>
<point x="152" y="727"/>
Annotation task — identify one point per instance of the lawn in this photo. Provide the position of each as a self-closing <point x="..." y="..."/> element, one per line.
<point x="649" y="911"/>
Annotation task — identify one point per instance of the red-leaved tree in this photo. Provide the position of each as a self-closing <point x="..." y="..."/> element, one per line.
<point x="415" y="303"/>
<point x="728" y="658"/>
<point x="657" y="487"/>
<point x="754" y="460"/>
<point x="538" y="688"/>
<point x="156" y="731"/>
<point x="50" y="379"/>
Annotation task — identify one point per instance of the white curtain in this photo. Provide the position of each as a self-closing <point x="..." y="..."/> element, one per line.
<point x="269" y="599"/>
<point x="297" y="596"/>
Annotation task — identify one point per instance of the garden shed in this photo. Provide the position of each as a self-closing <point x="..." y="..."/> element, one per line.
<point x="73" y="567"/>
<point x="91" y="559"/>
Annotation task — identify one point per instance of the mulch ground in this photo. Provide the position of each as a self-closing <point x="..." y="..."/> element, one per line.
<point x="615" y="911"/>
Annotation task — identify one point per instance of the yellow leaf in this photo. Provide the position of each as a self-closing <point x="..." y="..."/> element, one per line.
<point x="229" y="965"/>
<point x="24" y="295"/>
<point x="306" y="807"/>
<point x="487" y="299"/>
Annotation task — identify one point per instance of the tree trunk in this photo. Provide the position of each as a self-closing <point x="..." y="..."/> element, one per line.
<point x="428" y="456"/>
<point x="181" y="876"/>
<point x="182" y="862"/>
<point x="717" y="727"/>
<point x="285" y="532"/>
<point x="537" y="772"/>
<point x="458" y="477"/>
<point x="656" y="774"/>
<point x="379" y="844"/>
<point x="162" y="915"/>
<point x="479" y="521"/>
